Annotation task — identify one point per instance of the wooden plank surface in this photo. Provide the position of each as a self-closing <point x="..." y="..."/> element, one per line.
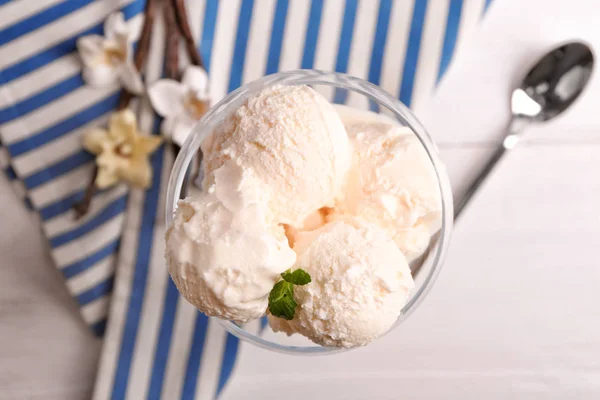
<point x="514" y="313"/>
<point x="46" y="351"/>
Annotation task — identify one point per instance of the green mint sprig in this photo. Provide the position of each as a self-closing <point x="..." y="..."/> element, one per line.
<point x="281" y="298"/>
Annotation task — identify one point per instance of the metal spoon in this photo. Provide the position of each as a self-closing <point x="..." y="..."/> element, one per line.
<point x="549" y="88"/>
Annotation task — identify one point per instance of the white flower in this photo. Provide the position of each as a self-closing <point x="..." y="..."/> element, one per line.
<point x="109" y="59"/>
<point x="121" y="151"/>
<point x="181" y="104"/>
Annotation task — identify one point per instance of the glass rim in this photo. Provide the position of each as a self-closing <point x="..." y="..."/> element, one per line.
<point x="342" y="81"/>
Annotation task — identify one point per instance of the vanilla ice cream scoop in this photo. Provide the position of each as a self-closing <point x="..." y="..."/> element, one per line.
<point x="224" y="251"/>
<point x="360" y="282"/>
<point x="392" y="182"/>
<point x="294" y="142"/>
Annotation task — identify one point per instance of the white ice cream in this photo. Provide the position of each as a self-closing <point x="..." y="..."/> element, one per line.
<point x="224" y="251"/>
<point x="294" y="142"/>
<point x="392" y="182"/>
<point x="358" y="198"/>
<point x="360" y="282"/>
<point x="314" y="221"/>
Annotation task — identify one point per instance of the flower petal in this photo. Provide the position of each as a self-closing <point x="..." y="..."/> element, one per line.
<point x="90" y="49"/>
<point x="135" y="28"/>
<point x="196" y="80"/>
<point x="130" y="78"/>
<point x="100" y="75"/>
<point x="106" y="177"/>
<point x="115" y="25"/>
<point x="146" y="145"/>
<point x="123" y="126"/>
<point x="94" y="139"/>
<point x="167" y="125"/>
<point x="182" y="129"/>
<point x="138" y="172"/>
<point x="167" y="96"/>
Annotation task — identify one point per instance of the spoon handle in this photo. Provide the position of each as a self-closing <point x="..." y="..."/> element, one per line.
<point x="510" y="140"/>
<point x="474" y="186"/>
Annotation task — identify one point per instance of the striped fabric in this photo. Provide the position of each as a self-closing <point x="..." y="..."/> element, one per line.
<point x="156" y="344"/>
<point x="44" y="108"/>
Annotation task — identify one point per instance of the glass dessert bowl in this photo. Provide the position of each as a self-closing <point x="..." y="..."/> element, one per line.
<point x="187" y="176"/>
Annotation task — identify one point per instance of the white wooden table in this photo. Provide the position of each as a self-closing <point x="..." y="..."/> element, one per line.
<point x="515" y="312"/>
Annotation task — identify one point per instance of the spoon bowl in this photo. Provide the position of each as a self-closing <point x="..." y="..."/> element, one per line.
<point x="555" y="81"/>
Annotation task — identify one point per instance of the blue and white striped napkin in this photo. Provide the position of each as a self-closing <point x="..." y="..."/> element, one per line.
<point x="156" y="344"/>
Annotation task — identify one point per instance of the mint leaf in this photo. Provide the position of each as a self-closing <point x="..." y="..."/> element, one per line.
<point x="298" y="277"/>
<point x="281" y="300"/>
